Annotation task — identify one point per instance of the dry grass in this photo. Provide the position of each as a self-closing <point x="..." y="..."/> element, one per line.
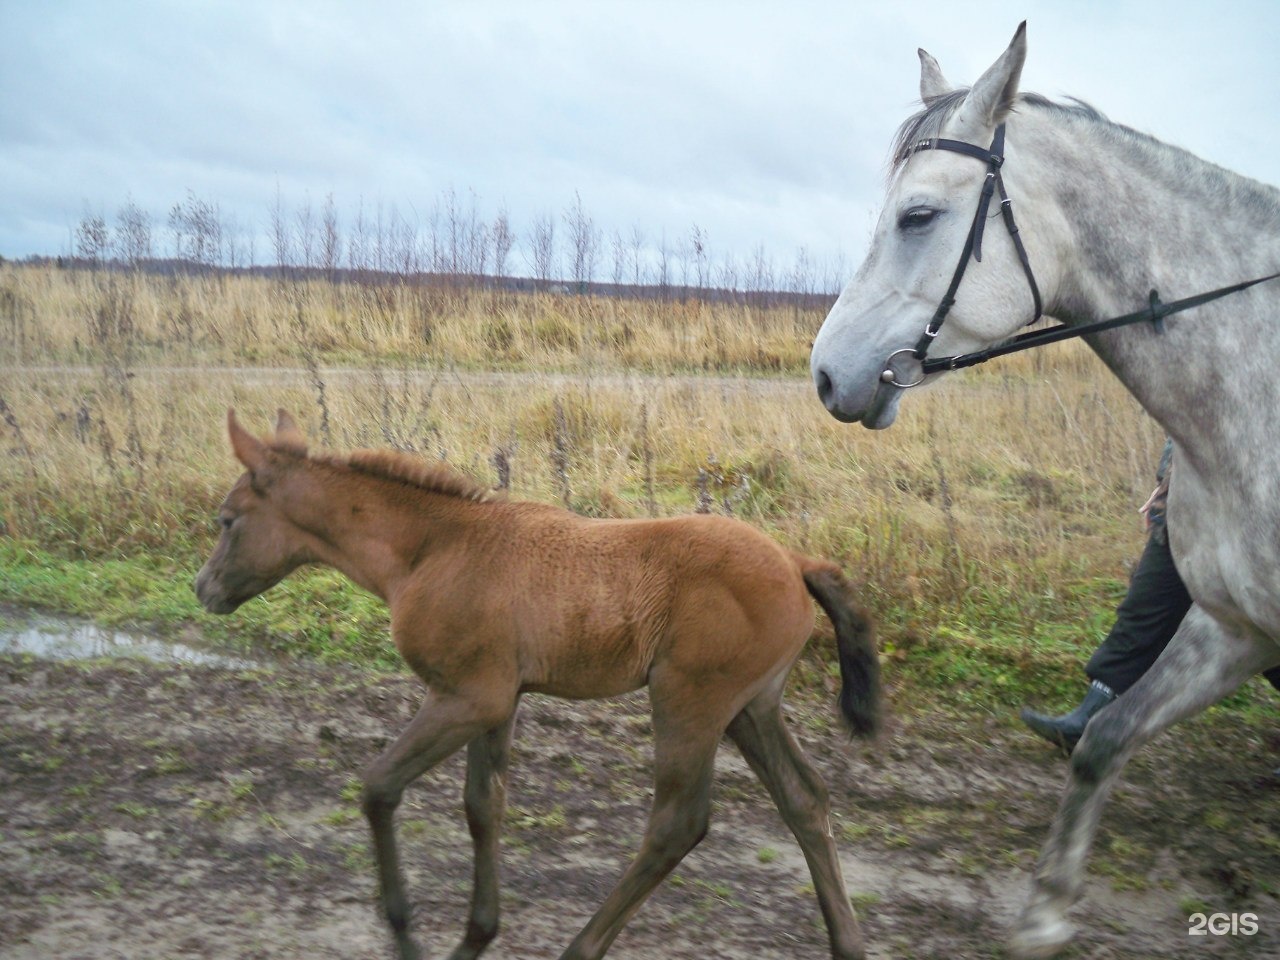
<point x="1002" y="504"/>
<point x="72" y="316"/>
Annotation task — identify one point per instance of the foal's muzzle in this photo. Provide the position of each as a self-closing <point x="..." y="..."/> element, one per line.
<point x="212" y="598"/>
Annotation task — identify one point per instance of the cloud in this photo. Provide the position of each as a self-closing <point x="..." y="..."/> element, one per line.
<point x="763" y="123"/>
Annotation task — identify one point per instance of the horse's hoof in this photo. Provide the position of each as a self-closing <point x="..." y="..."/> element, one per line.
<point x="1040" y="941"/>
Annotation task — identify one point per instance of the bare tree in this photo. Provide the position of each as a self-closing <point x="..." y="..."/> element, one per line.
<point x="133" y="233"/>
<point x="618" y="247"/>
<point x="358" y="248"/>
<point x="501" y="239"/>
<point x="197" y="231"/>
<point x="92" y="238"/>
<point x="728" y="279"/>
<point x="683" y="257"/>
<point x="542" y="249"/>
<point x="835" y="276"/>
<point x="306" y="233"/>
<point x="381" y="244"/>
<point x="454" y="235"/>
<point x="177" y="232"/>
<point x="403" y="244"/>
<point x="636" y="241"/>
<point x="280" y="239"/>
<point x="330" y="239"/>
<point x="760" y="276"/>
<point x="801" y="280"/>
<point x="664" y="267"/>
<point x="698" y="254"/>
<point x="477" y="240"/>
<point x="584" y="244"/>
<point x="232" y="243"/>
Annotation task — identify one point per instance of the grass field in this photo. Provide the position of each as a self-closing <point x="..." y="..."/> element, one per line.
<point x="991" y="527"/>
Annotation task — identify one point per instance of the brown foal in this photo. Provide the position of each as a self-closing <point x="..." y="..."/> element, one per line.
<point x="491" y="599"/>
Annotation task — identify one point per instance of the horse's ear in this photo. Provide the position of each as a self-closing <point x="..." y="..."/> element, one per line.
<point x="932" y="83"/>
<point x="992" y="97"/>
<point x="249" y="450"/>
<point x="288" y="434"/>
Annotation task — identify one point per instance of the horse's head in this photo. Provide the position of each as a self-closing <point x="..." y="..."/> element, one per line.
<point x="258" y="546"/>
<point x="863" y="354"/>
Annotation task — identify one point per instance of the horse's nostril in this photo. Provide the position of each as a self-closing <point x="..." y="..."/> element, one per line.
<point x="824" y="387"/>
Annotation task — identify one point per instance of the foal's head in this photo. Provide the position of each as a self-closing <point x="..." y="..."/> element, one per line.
<point x="259" y="545"/>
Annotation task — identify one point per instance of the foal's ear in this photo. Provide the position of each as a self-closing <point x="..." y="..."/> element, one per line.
<point x="932" y="83"/>
<point x="992" y="97"/>
<point x="288" y="434"/>
<point x="249" y="450"/>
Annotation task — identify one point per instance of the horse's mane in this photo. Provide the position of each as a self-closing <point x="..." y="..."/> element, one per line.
<point x="929" y="122"/>
<point x="399" y="467"/>
<point x="1182" y="166"/>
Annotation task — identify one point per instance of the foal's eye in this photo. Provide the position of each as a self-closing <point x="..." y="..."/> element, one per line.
<point x="226" y="522"/>
<point x="916" y="217"/>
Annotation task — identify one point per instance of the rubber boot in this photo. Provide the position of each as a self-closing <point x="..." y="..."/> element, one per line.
<point x="1067" y="730"/>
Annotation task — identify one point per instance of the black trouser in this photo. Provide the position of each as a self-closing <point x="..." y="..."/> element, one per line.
<point x="1146" y="620"/>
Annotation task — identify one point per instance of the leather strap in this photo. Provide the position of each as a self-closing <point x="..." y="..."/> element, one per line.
<point x="1155" y="311"/>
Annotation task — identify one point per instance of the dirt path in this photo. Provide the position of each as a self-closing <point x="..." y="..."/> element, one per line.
<point x="151" y="811"/>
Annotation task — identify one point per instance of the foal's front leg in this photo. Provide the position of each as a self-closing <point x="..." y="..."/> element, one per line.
<point x="443" y="725"/>
<point x="1200" y="666"/>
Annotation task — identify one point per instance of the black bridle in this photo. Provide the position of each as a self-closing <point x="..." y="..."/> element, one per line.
<point x="993" y="157"/>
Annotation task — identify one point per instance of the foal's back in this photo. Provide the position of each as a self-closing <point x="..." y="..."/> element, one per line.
<point x="581" y="607"/>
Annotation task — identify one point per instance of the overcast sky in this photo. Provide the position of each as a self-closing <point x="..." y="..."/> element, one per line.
<point x="762" y="123"/>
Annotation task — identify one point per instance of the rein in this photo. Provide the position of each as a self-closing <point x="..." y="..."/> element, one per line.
<point x="993" y="157"/>
<point x="1155" y="311"/>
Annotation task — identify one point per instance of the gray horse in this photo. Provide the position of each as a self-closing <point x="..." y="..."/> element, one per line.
<point x="1107" y="215"/>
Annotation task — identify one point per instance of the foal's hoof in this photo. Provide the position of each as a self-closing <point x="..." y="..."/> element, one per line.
<point x="1038" y="941"/>
<point x="406" y="949"/>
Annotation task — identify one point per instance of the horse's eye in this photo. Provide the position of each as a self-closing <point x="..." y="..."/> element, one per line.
<point x="916" y="217"/>
<point x="226" y="522"/>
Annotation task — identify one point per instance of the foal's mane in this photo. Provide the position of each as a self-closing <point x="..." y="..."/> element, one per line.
<point x="403" y="468"/>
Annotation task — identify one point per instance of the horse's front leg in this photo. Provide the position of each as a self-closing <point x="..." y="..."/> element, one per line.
<point x="1201" y="665"/>
<point x="486" y="799"/>
<point x="441" y="727"/>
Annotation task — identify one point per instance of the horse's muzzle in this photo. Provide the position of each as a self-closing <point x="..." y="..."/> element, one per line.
<point x="828" y="395"/>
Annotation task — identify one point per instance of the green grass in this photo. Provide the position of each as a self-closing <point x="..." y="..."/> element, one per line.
<point x="316" y="614"/>
<point x="974" y="659"/>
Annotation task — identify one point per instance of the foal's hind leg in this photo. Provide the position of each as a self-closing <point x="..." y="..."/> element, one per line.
<point x="486" y="799"/>
<point x="684" y="759"/>
<point x="801" y="797"/>
<point x="1200" y="666"/>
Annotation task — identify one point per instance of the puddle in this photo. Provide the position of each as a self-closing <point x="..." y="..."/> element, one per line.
<point x="68" y="638"/>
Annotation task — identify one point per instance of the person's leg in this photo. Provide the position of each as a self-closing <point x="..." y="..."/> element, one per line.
<point x="1154" y="606"/>
<point x="1146" y="619"/>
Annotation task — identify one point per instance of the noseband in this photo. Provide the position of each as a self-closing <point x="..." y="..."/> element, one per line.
<point x="993" y="157"/>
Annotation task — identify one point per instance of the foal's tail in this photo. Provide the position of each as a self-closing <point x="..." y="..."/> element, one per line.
<point x="855" y="645"/>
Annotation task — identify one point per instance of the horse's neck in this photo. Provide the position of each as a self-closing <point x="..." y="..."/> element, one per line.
<point x="1146" y="216"/>
<point x="375" y="534"/>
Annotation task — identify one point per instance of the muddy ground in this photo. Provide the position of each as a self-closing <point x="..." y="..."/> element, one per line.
<point x="151" y="811"/>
